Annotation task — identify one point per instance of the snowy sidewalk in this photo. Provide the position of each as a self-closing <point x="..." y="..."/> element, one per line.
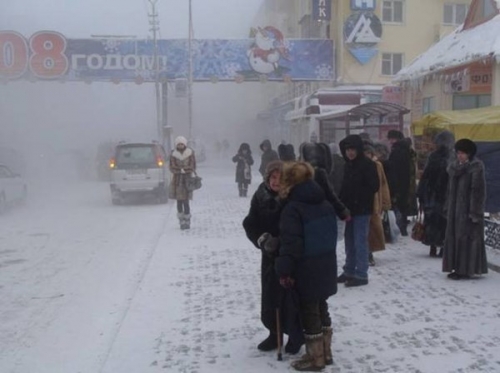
<point x="197" y="309"/>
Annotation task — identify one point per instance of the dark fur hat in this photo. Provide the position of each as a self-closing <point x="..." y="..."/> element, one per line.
<point x="294" y="173"/>
<point x="395" y="134"/>
<point x="466" y="146"/>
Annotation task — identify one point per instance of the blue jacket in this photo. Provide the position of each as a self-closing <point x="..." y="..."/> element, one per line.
<point x="308" y="235"/>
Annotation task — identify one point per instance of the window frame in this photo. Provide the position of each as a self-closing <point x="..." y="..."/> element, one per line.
<point x="392" y="62"/>
<point x="392" y="9"/>
<point x="454" y="7"/>
<point x="477" y="99"/>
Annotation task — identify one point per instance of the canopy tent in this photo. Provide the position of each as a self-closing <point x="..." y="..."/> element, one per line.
<point x="480" y="125"/>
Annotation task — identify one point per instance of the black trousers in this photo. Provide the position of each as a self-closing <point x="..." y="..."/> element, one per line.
<point x="315" y="316"/>
<point x="183" y="206"/>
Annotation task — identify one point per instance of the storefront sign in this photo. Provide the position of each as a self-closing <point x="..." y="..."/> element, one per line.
<point x="481" y="79"/>
<point x="363" y="31"/>
<point x="322" y="10"/>
<point x="392" y="94"/>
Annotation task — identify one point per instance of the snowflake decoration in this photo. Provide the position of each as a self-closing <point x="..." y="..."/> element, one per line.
<point x="232" y="69"/>
<point x="324" y="72"/>
<point x="111" y="45"/>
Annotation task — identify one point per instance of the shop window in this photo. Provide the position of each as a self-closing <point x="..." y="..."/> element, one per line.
<point x="454" y="14"/>
<point x="392" y="11"/>
<point x="464" y="102"/>
<point x="391" y="63"/>
<point x="428" y="105"/>
<point x="311" y="29"/>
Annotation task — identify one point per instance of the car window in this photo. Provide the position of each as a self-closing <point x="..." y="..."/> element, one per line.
<point x="135" y="155"/>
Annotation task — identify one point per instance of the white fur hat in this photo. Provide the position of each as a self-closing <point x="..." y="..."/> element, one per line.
<point x="180" y="140"/>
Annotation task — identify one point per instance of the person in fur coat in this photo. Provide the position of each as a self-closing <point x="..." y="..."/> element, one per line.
<point x="464" y="248"/>
<point x="244" y="161"/>
<point x="307" y="259"/>
<point x="432" y="189"/>
<point x="262" y="229"/>
<point x="381" y="203"/>
<point x="182" y="165"/>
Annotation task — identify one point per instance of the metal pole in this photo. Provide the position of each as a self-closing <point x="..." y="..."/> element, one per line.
<point x="154" y="29"/>
<point x="190" y="77"/>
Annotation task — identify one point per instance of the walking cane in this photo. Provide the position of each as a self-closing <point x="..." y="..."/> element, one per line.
<point x="278" y="330"/>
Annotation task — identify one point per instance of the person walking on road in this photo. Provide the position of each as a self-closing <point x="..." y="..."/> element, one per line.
<point x="307" y="259"/>
<point x="182" y="165"/>
<point x="262" y="229"/>
<point x="244" y="161"/>
<point x="464" y="248"/>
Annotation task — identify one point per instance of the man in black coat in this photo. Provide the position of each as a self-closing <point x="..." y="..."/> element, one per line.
<point x="268" y="155"/>
<point x="359" y="186"/>
<point x="400" y="163"/>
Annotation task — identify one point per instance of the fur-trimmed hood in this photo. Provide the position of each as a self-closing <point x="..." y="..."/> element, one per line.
<point x="294" y="173"/>
<point x="184" y="155"/>
<point x="352" y="141"/>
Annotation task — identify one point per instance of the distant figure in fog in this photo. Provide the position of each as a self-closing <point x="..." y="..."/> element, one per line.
<point x="464" y="249"/>
<point x="286" y="152"/>
<point x="268" y="155"/>
<point x="244" y="161"/>
<point x="182" y="165"/>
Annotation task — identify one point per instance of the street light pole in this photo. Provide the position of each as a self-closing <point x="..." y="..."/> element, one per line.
<point x="154" y="23"/>
<point x="190" y="77"/>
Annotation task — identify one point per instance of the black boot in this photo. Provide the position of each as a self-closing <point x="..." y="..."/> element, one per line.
<point x="433" y="251"/>
<point x="293" y="346"/>
<point x="269" y="344"/>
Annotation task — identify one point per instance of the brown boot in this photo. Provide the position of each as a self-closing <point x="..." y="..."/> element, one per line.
<point x="327" y="344"/>
<point x="314" y="359"/>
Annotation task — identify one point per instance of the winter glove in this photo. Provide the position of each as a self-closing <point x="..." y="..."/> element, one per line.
<point x="348" y="218"/>
<point x="287" y="282"/>
<point x="268" y="243"/>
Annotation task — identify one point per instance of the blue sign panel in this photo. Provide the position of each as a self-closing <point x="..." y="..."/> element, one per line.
<point x="322" y="10"/>
<point x="266" y="57"/>
<point x="363" y="4"/>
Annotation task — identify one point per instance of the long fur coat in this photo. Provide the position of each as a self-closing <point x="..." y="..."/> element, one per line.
<point x="464" y="249"/>
<point x="181" y="166"/>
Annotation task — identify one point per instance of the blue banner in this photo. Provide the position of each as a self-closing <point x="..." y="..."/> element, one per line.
<point x="49" y="55"/>
<point x="322" y="10"/>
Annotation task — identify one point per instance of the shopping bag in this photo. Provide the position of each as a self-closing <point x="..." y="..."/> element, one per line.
<point x="418" y="230"/>
<point x="391" y="229"/>
<point x="193" y="182"/>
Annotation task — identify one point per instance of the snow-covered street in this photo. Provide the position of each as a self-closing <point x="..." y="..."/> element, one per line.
<point x="87" y="287"/>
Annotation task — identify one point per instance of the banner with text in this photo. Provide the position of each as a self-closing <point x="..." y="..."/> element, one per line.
<point x="48" y="55"/>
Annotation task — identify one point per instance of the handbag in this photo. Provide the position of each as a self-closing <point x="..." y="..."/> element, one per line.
<point x="418" y="230"/>
<point x="193" y="182"/>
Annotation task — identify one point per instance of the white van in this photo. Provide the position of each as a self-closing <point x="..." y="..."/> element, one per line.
<point x="139" y="169"/>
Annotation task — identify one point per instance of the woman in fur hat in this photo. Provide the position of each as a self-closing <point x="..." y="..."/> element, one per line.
<point x="182" y="165"/>
<point x="262" y="228"/>
<point x="244" y="161"/>
<point x="307" y="258"/>
<point x="464" y="249"/>
<point x="432" y="189"/>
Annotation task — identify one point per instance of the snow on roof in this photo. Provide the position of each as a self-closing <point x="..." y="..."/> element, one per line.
<point x="458" y="48"/>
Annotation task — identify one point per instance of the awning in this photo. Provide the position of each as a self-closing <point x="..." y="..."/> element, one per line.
<point x="365" y="111"/>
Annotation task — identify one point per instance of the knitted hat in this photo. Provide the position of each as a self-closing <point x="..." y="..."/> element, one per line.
<point x="180" y="140"/>
<point x="466" y="146"/>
